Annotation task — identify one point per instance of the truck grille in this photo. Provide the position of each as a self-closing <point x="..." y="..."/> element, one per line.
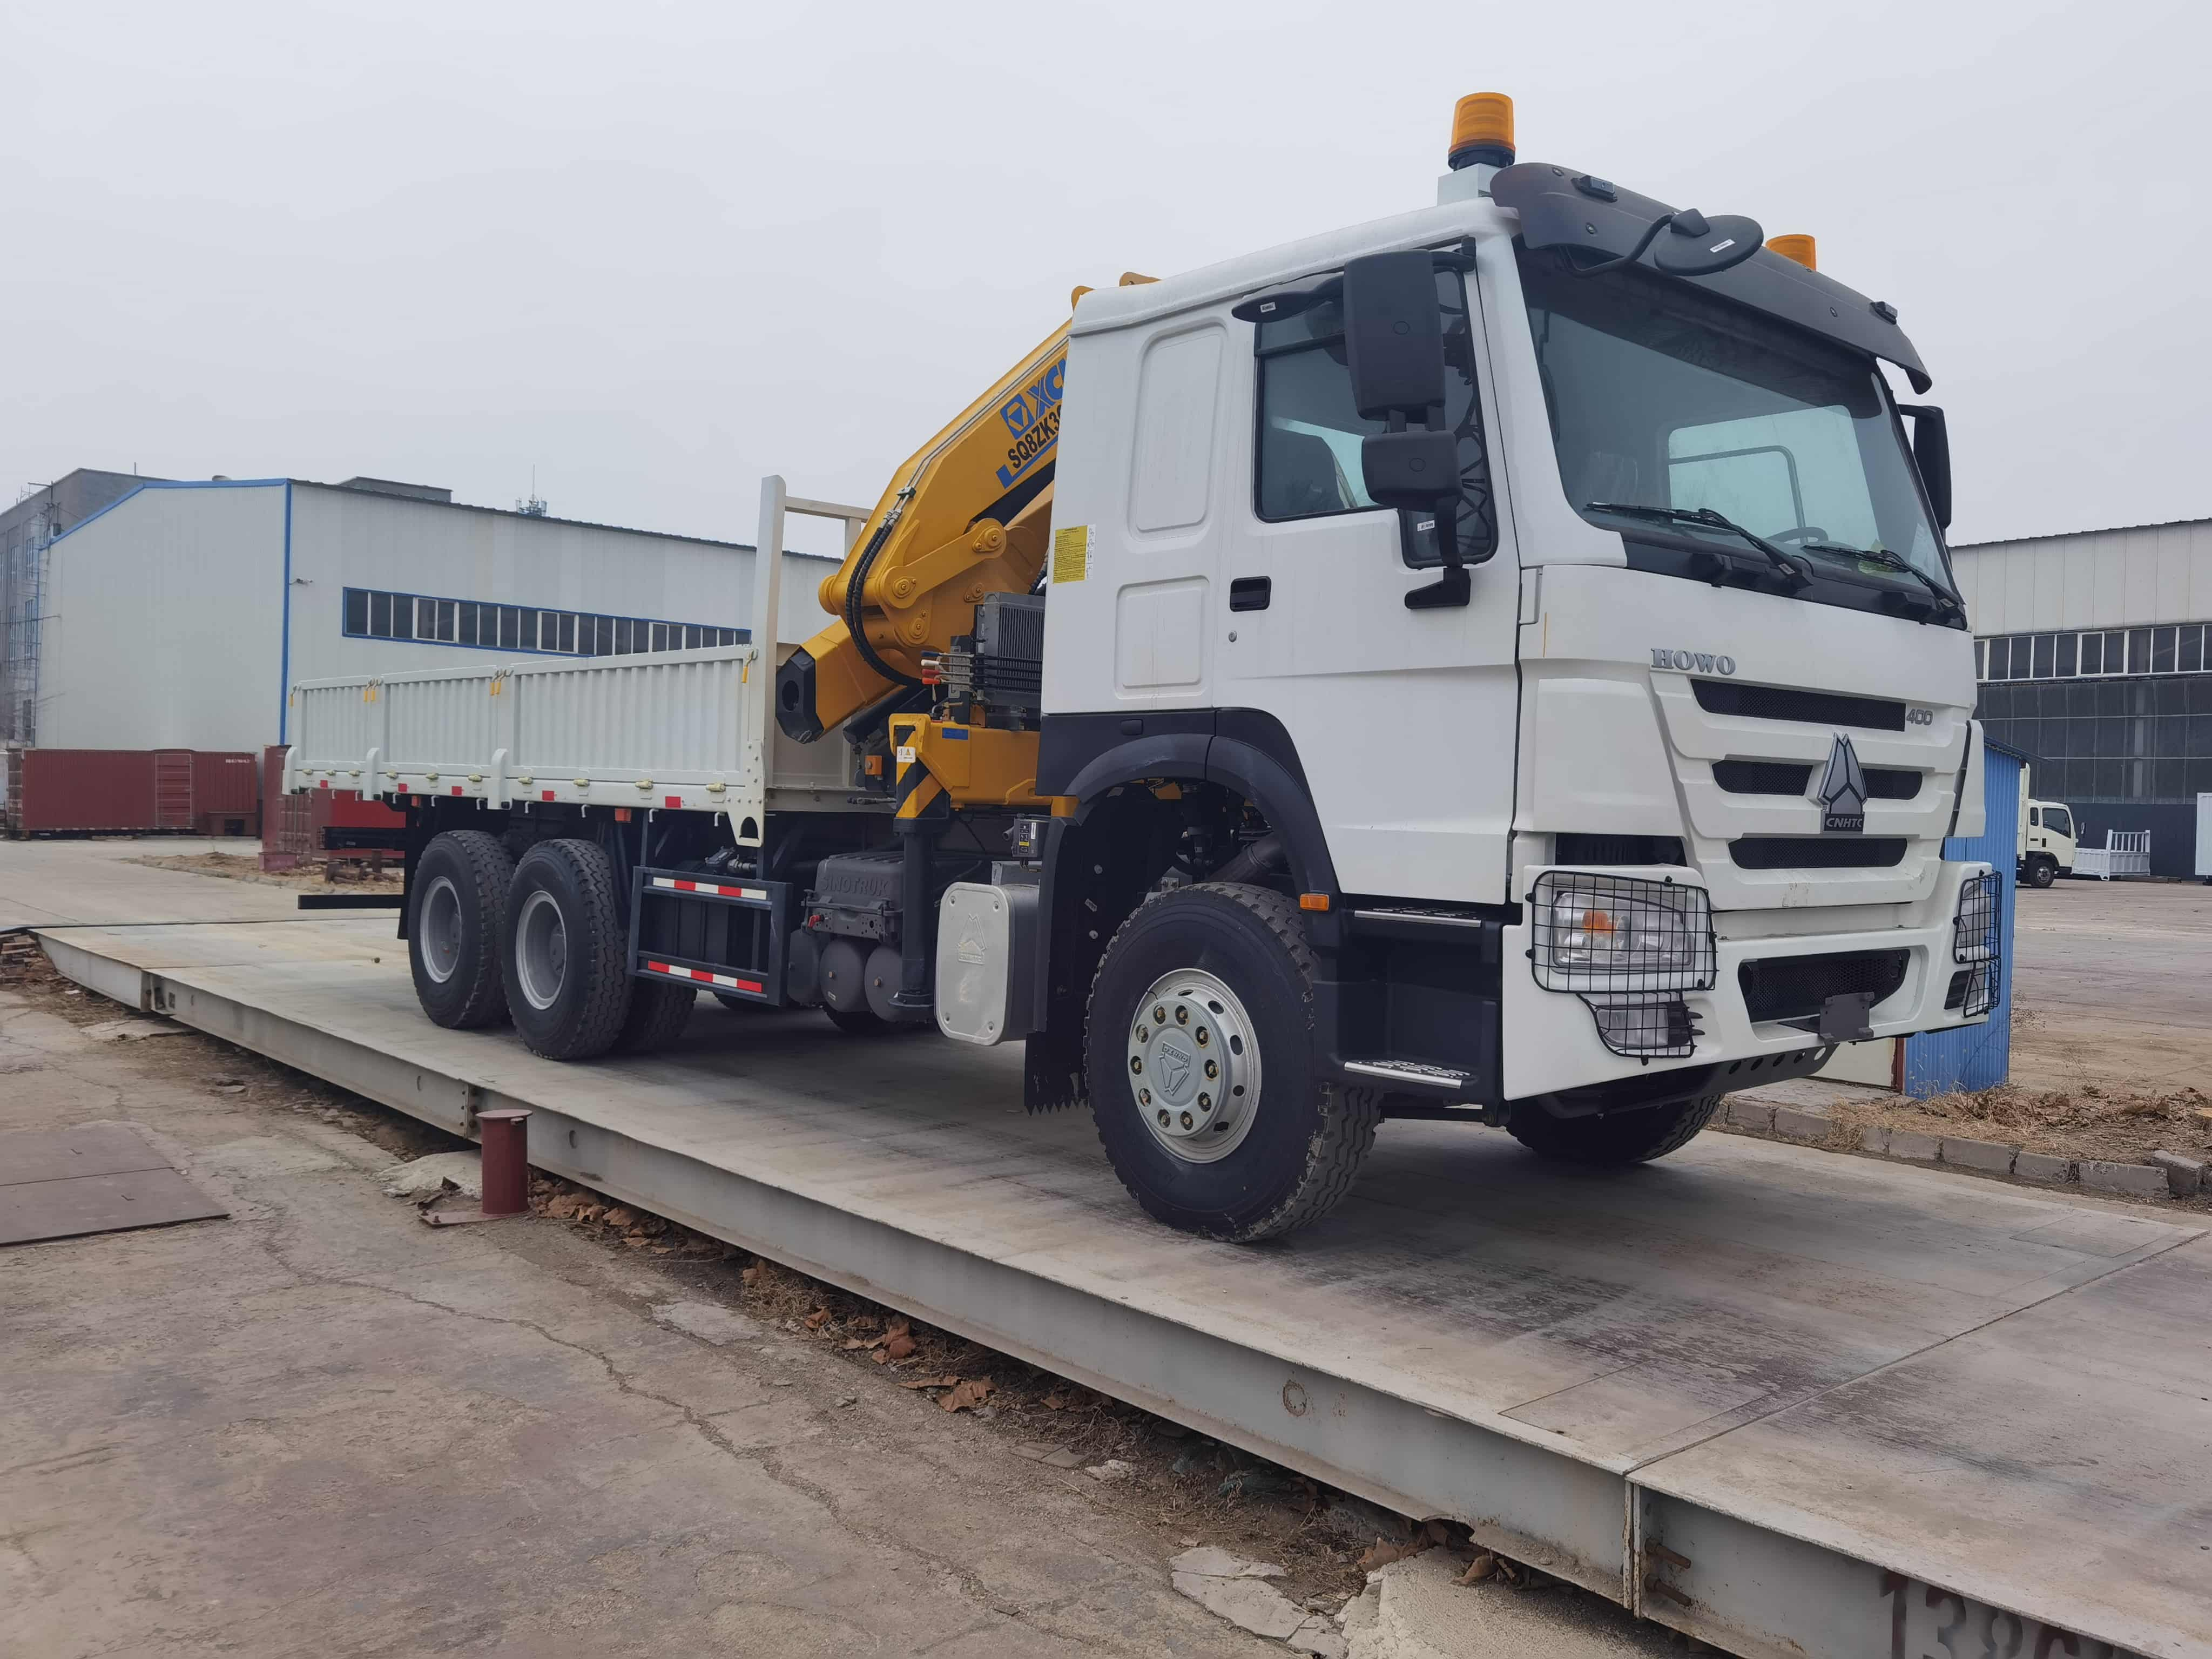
<point x="1798" y="987"/>
<point x="1817" y="853"/>
<point x="1742" y="777"/>
<point x="1775" y="702"/>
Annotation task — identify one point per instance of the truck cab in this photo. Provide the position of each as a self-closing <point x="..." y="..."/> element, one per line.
<point x="2047" y="837"/>
<point x="1614" y="775"/>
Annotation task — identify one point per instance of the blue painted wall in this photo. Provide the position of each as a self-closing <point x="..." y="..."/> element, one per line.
<point x="1979" y="1056"/>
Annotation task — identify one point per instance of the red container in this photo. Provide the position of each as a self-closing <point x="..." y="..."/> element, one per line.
<point x="226" y="793"/>
<point x="131" y="791"/>
<point x="293" y="824"/>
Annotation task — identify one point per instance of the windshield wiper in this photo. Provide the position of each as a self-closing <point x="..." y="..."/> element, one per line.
<point x="1945" y="598"/>
<point x="1798" y="574"/>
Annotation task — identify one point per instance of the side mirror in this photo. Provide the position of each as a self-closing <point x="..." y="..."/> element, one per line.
<point x="1393" y="340"/>
<point x="1931" y="454"/>
<point x="1413" y="468"/>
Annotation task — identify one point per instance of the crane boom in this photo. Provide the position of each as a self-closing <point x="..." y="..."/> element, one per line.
<point x="968" y="515"/>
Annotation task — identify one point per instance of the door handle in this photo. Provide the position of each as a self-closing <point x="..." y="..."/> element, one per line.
<point x="1251" y="593"/>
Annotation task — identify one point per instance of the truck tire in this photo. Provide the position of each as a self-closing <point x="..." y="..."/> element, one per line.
<point x="454" y="929"/>
<point x="2042" y="871"/>
<point x="659" y="1011"/>
<point x="1199" y="991"/>
<point x="564" y="951"/>
<point x="1617" y="1139"/>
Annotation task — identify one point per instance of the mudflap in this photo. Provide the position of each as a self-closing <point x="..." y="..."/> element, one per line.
<point x="1052" y="1068"/>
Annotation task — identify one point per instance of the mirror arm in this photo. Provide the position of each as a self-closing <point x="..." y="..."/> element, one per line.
<point x="1643" y="246"/>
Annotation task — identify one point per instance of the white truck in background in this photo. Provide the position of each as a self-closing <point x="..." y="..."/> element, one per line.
<point x="1497" y="663"/>
<point x="2047" y="839"/>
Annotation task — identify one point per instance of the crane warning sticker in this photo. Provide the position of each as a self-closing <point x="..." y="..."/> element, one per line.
<point x="1071" y="553"/>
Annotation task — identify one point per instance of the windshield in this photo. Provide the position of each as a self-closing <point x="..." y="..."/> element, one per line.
<point x="1662" y="397"/>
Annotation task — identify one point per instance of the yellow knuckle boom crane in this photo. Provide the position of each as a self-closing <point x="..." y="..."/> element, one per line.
<point x="965" y="520"/>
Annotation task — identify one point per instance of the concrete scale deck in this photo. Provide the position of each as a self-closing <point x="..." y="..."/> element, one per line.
<point x="1793" y="1402"/>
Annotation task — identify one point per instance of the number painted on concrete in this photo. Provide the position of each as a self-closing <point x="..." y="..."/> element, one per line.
<point x="1941" y="1624"/>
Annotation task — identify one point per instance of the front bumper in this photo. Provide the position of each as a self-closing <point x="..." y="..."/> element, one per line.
<point x="1551" y="1041"/>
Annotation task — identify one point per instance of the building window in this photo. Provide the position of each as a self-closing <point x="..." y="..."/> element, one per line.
<point x="366" y="613"/>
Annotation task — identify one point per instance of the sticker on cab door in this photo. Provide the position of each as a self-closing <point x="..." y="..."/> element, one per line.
<point x="1071" y="553"/>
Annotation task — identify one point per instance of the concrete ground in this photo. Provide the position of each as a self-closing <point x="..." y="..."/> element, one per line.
<point x="2111" y="981"/>
<point x="323" y="1425"/>
<point x="54" y="883"/>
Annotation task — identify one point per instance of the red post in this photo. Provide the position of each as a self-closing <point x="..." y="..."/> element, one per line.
<point x="506" y="1160"/>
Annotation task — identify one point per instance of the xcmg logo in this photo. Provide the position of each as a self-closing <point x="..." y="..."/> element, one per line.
<point x="1705" y="662"/>
<point x="1021" y="412"/>
<point x="1033" y="417"/>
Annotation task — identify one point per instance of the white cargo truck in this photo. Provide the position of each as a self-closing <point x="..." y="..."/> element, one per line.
<point x="2046" y="840"/>
<point x="1496" y="663"/>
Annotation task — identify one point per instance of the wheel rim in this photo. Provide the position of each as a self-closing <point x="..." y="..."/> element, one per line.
<point x="1194" y="1066"/>
<point x="541" y="949"/>
<point x="440" y="929"/>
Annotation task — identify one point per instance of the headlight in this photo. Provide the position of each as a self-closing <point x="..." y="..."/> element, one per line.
<point x="1608" y="934"/>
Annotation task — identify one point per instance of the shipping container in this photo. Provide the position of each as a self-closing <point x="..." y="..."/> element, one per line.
<point x="64" y="791"/>
<point x="227" y="793"/>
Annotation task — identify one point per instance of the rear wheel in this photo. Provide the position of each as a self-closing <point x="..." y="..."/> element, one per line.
<point x="659" y="1011"/>
<point x="1204" y="1071"/>
<point x="1618" y="1137"/>
<point x="565" y="950"/>
<point x="453" y="932"/>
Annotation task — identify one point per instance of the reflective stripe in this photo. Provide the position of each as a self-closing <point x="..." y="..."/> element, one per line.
<point x="759" y="894"/>
<point x="700" y="975"/>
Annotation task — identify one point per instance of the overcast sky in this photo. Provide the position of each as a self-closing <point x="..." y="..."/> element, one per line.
<point x="654" y="251"/>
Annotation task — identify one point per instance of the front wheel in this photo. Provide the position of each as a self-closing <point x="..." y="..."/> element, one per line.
<point x="1204" y="1068"/>
<point x="1616" y="1138"/>
<point x="2041" y="872"/>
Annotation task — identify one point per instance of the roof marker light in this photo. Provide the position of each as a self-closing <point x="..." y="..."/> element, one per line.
<point x="1482" y="132"/>
<point x="1799" y="248"/>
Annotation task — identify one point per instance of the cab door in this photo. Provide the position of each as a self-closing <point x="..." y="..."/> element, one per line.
<point x="1403" y="720"/>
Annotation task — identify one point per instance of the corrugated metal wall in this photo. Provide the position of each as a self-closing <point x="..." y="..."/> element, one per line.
<point x="2104" y="579"/>
<point x="1970" y="1057"/>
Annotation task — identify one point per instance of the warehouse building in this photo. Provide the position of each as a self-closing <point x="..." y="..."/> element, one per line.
<point x="27" y="529"/>
<point x="2095" y="654"/>
<point x="178" y="614"/>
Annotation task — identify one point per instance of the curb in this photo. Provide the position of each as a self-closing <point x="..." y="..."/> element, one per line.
<point x="2168" y="1175"/>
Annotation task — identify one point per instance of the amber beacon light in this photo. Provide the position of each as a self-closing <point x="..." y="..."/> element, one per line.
<point x="1799" y="248"/>
<point x="1482" y="132"/>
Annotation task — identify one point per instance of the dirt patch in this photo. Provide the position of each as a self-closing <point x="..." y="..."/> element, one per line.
<point x="307" y="878"/>
<point x="2088" y="1121"/>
